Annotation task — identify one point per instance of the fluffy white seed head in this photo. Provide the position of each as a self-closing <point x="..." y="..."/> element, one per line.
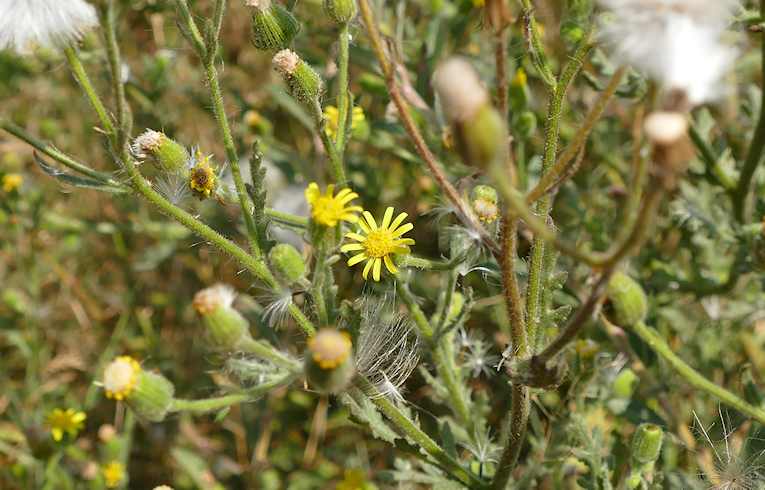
<point x="387" y="350"/>
<point x="208" y="300"/>
<point x="286" y="61"/>
<point x="665" y="128"/>
<point x="258" y="4"/>
<point x="146" y="143"/>
<point x="460" y="89"/>
<point x="27" y="24"/>
<point x="678" y="43"/>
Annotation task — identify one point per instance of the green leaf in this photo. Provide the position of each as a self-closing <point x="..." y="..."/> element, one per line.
<point x="364" y="411"/>
<point x="75" y="180"/>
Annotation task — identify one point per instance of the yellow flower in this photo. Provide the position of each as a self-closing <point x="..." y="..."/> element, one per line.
<point x="202" y="178"/>
<point x="114" y="473"/>
<point x="332" y="115"/>
<point x="520" y="79"/>
<point x="64" y="421"/>
<point x="327" y="209"/>
<point x="379" y="243"/>
<point x="354" y="479"/>
<point x="120" y="377"/>
<point x="12" y="182"/>
<point x="330" y="348"/>
<point x="479" y="3"/>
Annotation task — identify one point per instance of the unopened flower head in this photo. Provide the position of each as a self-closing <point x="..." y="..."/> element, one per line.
<point x="328" y="209"/>
<point x="27" y="24"/>
<point x="168" y="154"/>
<point x="286" y="61"/>
<point x="65" y="421"/>
<point x="304" y="82"/>
<point x="273" y="26"/>
<point x="379" y="244"/>
<point x="121" y="377"/>
<point x="328" y="363"/>
<point x="147" y="143"/>
<point x="460" y="89"/>
<point x="676" y="42"/>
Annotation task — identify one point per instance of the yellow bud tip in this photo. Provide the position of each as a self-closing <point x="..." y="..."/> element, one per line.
<point x="209" y="299"/>
<point x="120" y="377"/>
<point x="330" y="348"/>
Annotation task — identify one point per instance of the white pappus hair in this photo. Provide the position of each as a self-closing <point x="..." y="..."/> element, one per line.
<point x="678" y="43"/>
<point x="26" y="24"/>
<point x="387" y="350"/>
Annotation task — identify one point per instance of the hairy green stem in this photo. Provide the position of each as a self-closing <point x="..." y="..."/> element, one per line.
<point x="338" y="171"/>
<point x="287" y="218"/>
<point x="266" y="351"/>
<point x="115" y="69"/>
<point x="693" y="377"/>
<point x="342" y="89"/>
<point x="218" y="403"/>
<point x="410" y="429"/>
<point x="756" y="147"/>
<point x="82" y="78"/>
<point x="544" y="205"/>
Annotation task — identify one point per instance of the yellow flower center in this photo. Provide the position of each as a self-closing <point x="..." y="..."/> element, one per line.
<point x="379" y="243"/>
<point x="330" y="348"/>
<point x="202" y="178"/>
<point x="328" y="210"/>
<point x="120" y="377"/>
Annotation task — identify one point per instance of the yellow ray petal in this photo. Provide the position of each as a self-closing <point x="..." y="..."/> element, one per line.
<point x="355" y="236"/>
<point x="349" y="217"/>
<point x="356" y="259"/>
<point x="399" y="219"/>
<point x="386" y="218"/>
<point x="347" y="198"/>
<point x="370" y="220"/>
<point x="376" y="270"/>
<point x="403" y="241"/>
<point x="312" y="192"/>
<point x="351" y="247"/>
<point x="400" y="231"/>
<point x="367" y="267"/>
<point x="389" y="265"/>
<point x="342" y="193"/>
<point x="362" y="224"/>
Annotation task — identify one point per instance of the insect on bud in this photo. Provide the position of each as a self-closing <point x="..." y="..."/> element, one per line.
<point x="273" y="26"/>
<point x="226" y="327"/>
<point x="168" y="154"/>
<point x="628" y="300"/>
<point x="329" y="364"/>
<point x="287" y="263"/>
<point x="484" y="200"/>
<point x="304" y="83"/>
<point x="340" y="11"/>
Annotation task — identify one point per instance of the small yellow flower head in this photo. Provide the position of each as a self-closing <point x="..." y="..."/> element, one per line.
<point x="329" y="348"/>
<point x="332" y="116"/>
<point x="66" y="421"/>
<point x="378" y="244"/>
<point x="329" y="364"/>
<point x="114" y="473"/>
<point x="202" y="178"/>
<point x="520" y="79"/>
<point x="120" y="377"/>
<point x="484" y="201"/>
<point x="328" y="209"/>
<point x="12" y="182"/>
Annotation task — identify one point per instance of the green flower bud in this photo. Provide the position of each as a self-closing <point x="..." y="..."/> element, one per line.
<point x="168" y="154"/>
<point x="304" y="83"/>
<point x="152" y="397"/>
<point x="226" y="327"/>
<point x="287" y="263"/>
<point x="646" y="443"/>
<point x="625" y="383"/>
<point x="571" y="32"/>
<point x="329" y="364"/>
<point x="273" y="26"/>
<point x="484" y="201"/>
<point x="526" y="124"/>
<point x="341" y="11"/>
<point x="627" y="299"/>
<point x="482" y="139"/>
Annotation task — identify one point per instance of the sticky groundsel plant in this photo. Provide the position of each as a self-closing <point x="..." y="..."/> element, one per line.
<point x="528" y="249"/>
